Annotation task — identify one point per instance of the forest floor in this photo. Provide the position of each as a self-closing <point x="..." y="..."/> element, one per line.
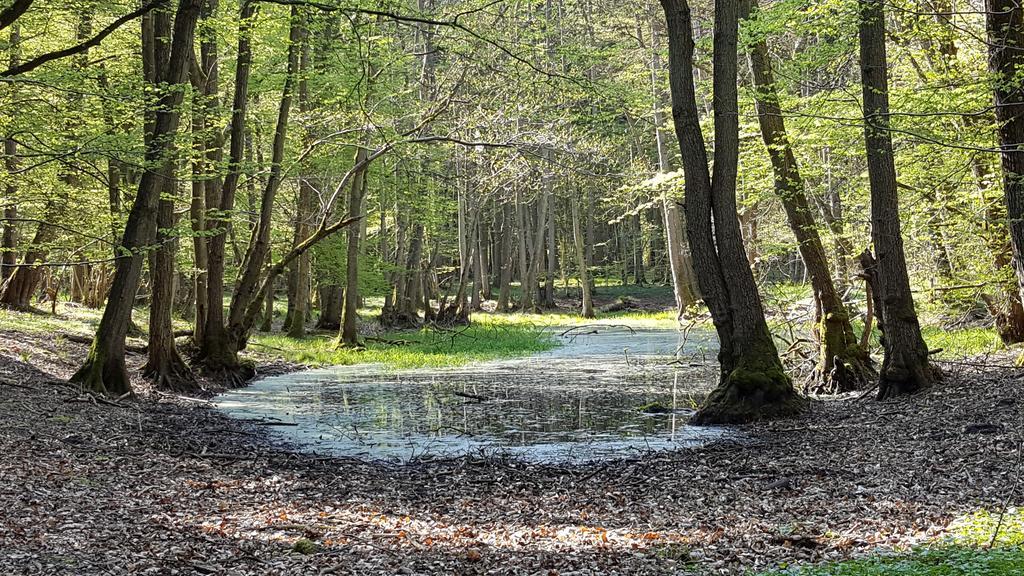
<point x="166" y="485"/>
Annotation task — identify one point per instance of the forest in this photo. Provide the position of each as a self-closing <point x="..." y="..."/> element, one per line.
<point x="507" y="287"/>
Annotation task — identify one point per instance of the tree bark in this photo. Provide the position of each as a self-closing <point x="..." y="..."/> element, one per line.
<point x="1005" y="26"/>
<point x="350" y="313"/>
<point x="217" y="351"/>
<point x="9" y="241"/>
<point x="298" y="294"/>
<point x="247" y="288"/>
<point x="753" y="384"/>
<point x="522" y="234"/>
<point x="675" y="229"/>
<point x="552" y="256"/>
<point x="505" y="252"/>
<point x="843" y="365"/>
<point x="587" y="307"/>
<point x="104" y="370"/>
<point x="164" y="365"/>
<point x="905" y="367"/>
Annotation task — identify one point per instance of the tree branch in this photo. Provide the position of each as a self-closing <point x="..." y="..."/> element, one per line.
<point x="81" y="47"/>
<point x="13" y="12"/>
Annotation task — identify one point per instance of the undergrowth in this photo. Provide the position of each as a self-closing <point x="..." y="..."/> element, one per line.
<point x="964" y="552"/>
<point x="425" y="348"/>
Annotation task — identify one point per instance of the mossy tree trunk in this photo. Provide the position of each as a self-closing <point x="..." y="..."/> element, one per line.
<point x="753" y="384"/>
<point x="843" y="365"/>
<point x="905" y="367"/>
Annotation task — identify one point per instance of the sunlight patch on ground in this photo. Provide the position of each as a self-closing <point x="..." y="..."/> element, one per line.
<point x="368" y="525"/>
<point x="362" y="525"/>
<point x="978" y="528"/>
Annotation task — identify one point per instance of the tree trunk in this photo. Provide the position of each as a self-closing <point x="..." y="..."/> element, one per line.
<point x="267" y="317"/>
<point x="104" y="370"/>
<point x="905" y="367"/>
<point x="637" y="237"/>
<point x="1005" y="25"/>
<point x="217" y="351"/>
<point x="587" y="310"/>
<point x="675" y="229"/>
<point x="505" y="252"/>
<point x="350" y="316"/>
<point x="525" y="268"/>
<point x="209" y="146"/>
<point x="9" y="242"/>
<point x="246" y="293"/>
<point x="843" y="365"/>
<point x="197" y="217"/>
<point x="331" y="297"/>
<point x="164" y="365"/>
<point x="298" y="293"/>
<point x="407" y="310"/>
<point x="552" y="257"/>
<point x="753" y="384"/>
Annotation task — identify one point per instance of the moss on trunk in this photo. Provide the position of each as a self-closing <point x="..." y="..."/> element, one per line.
<point x="757" y="389"/>
<point x="843" y="365"/>
<point x="103" y="372"/>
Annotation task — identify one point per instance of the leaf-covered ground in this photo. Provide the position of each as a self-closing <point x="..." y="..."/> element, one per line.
<point x="166" y="486"/>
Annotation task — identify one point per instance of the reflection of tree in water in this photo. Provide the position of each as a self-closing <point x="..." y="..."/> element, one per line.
<point x="568" y="405"/>
<point x="511" y="414"/>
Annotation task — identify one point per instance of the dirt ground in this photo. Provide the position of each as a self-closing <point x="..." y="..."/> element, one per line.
<point x="164" y="485"/>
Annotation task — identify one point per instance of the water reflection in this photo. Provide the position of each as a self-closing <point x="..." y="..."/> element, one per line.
<point x="601" y="395"/>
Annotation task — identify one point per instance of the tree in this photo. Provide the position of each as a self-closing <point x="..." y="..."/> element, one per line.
<point x="215" y="349"/>
<point x="753" y="384"/>
<point x="350" y="311"/>
<point x="905" y="366"/>
<point x="104" y="370"/>
<point x="164" y="365"/>
<point x="1005" y="25"/>
<point x="843" y="364"/>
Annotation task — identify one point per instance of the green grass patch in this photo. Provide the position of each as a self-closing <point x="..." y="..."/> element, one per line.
<point x="632" y="318"/>
<point x="964" y="552"/>
<point x="424" y="348"/>
<point x="962" y="342"/>
<point x="69" y="319"/>
<point x="977" y="529"/>
<point x="945" y="561"/>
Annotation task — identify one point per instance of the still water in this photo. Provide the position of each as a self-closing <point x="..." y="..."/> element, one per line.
<point x="604" y="393"/>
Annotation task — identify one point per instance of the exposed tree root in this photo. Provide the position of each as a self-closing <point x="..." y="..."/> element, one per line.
<point x="850" y="371"/>
<point x="751" y="392"/>
<point x="231" y="376"/>
<point x="171" y="375"/>
<point x="102" y="376"/>
<point x="899" y="377"/>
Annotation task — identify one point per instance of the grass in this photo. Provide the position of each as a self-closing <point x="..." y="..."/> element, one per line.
<point x="424" y="348"/>
<point x="964" y="552"/>
<point x="634" y="318"/>
<point x="943" y="561"/>
<point x="962" y="342"/>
